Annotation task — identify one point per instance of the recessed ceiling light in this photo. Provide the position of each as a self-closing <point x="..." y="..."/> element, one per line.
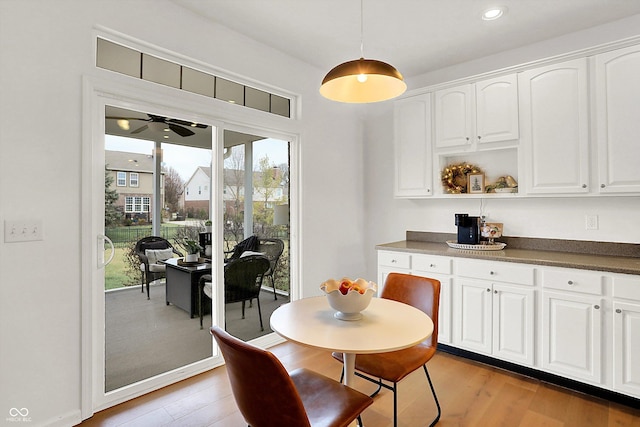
<point x="494" y="13"/>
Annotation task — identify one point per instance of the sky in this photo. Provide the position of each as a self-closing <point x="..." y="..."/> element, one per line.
<point x="185" y="160"/>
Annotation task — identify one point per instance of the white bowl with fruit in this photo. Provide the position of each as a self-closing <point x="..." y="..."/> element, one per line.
<point x="349" y="297"/>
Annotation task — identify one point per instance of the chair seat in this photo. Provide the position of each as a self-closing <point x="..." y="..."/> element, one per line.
<point x="394" y="365"/>
<point x="346" y="403"/>
<point x="155" y="268"/>
<point x="208" y="289"/>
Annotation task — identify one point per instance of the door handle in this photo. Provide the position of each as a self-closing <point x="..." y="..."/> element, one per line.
<point x="101" y="239"/>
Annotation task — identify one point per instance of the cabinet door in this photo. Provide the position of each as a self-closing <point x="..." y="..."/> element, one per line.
<point x="454" y="116"/>
<point x="413" y="161"/>
<point x="617" y="102"/>
<point x="554" y="127"/>
<point x="472" y="309"/>
<point x="626" y="353"/>
<point x="513" y="327"/>
<point x="444" y="312"/>
<point x="572" y="335"/>
<point x="497" y="109"/>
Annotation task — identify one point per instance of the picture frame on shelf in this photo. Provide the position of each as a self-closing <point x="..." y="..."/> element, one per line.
<point x="475" y="183"/>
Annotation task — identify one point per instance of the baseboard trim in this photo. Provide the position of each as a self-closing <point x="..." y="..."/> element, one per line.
<point x="544" y="376"/>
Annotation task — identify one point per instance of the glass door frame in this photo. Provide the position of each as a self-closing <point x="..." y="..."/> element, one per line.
<point x="143" y="96"/>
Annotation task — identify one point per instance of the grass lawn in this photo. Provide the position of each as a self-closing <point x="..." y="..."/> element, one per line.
<point x="114" y="273"/>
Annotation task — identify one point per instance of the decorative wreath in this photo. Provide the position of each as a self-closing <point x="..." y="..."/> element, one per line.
<point x="454" y="177"/>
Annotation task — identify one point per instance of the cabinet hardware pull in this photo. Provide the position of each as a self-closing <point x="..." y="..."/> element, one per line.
<point x="618" y="310"/>
<point x="570" y="282"/>
<point x="492" y="273"/>
<point x="432" y="265"/>
<point x="597" y="307"/>
<point x="479" y="137"/>
<point x="467" y="138"/>
<point x="495" y="292"/>
<point x="393" y="260"/>
<point x="584" y="185"/>
<point x="602" y="185"/>
<point x="488" y="290"/>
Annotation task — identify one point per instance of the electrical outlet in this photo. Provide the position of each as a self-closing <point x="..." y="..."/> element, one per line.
<point x="22" y="231"/>
<point x="591" y="222"/>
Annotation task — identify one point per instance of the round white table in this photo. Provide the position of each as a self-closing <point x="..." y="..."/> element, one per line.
<point x="386" y="325"/>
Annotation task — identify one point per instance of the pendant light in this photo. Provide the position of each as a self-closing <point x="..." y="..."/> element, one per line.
<point x="362" y="80"/>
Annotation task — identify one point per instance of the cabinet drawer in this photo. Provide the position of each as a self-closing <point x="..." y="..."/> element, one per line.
<point x="626" y="286"/>
<point x="394" y="259"/>
<point x="431" y="264"/>
<point x="572" y="280"/>
<point x="496" y="271"/>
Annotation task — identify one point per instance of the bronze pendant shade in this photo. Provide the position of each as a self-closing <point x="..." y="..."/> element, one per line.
<point x="362" y="81"/>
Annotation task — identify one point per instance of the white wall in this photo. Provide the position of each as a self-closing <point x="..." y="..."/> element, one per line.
<point x="387" y="218"/>
<point x="46" y="47"/>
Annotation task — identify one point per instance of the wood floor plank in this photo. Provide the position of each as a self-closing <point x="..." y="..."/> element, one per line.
<point x="470" y="393"/>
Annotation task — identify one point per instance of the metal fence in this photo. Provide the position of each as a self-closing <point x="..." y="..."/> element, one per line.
<point x="122" y="237"/>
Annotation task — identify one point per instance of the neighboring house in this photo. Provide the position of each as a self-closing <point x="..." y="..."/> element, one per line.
<point x="197" y="191"/>
<point x="133" y="181"/>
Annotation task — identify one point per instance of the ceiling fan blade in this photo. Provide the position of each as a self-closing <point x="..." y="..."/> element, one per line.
<point x="187" y="123"/>
<point x="182" y="131"/>
<point x="127" y="118"/>
<point x="140" y="129"/>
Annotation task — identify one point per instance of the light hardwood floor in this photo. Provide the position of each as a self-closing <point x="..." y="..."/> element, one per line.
<point x="471" y="394"/>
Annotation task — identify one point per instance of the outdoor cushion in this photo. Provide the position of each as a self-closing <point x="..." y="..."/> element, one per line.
<point x="249" y="253"/>
<point x="155" y="255"/>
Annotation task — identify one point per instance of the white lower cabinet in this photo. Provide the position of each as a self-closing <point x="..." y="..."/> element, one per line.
<point x="572" y="319"/>
<point x="626" y="334"/>
<point x="626" y="341"/>
<point x="579" y="324"/>
<point x="495" y="319"/>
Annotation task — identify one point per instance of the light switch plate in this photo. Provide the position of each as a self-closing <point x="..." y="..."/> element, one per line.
<point x="22" y="231"/>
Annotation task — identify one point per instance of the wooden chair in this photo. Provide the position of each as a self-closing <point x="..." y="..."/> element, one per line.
<point x="268" y="396"/>
<point x="424" y="294"/>
<point x="150" y="250"/>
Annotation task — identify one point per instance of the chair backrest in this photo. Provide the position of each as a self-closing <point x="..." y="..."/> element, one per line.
<point x="272" y="249"/>
<point x="243" y="277"/>
<point x="261" y="386"/>
<point x="420" y="292"/>
<point x="248" y="244"/>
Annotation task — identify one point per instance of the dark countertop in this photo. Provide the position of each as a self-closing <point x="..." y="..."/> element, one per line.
<point x="599" y="256"/>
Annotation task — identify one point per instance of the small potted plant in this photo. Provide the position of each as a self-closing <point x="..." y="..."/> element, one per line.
<point x="193" y="249"/>
<point x="207" y="226"/>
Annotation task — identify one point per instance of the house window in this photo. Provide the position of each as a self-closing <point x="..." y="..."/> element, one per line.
<point x="187" y="191"/>
<point x="133" y="179"/>
<point x="136" y="204"/>
<point x="122" y="179"/>
<point x="199" y="189"/>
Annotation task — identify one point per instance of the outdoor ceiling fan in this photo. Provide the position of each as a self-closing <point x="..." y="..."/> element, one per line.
<point x="159" y="123"/>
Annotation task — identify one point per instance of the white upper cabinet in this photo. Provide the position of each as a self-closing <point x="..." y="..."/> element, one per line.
<point x="617" y="77"/>
<point x="413" y="161"/>
<point x="554" y="128"/>
<point x="497" y="109"/>
<point x="455" y="123"/>
<point x="483" y="112"/>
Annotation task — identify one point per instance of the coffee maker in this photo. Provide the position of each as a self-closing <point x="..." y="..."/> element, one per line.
<point x="468" y="229"/>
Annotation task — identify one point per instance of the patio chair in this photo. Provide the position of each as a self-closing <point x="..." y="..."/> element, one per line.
<point x="424" y="294"/>
<point x="268" y="396"/>
<point x="242" y="282"/>
<point x="248" y="244"/>
<point x="150" y="250"/>
<point x="272" y="249"/>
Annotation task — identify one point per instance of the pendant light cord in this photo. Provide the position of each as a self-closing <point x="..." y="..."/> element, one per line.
<point x="361" y="28"/>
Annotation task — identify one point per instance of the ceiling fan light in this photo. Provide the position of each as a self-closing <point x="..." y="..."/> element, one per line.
<point x="362" y="81"/>
<point x="158" y="127"/>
